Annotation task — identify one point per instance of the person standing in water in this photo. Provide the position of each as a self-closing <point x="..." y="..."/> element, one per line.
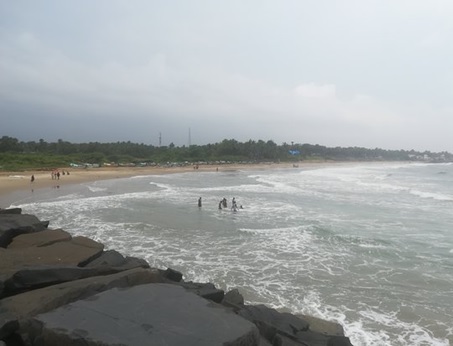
<point x="199" y="202"/>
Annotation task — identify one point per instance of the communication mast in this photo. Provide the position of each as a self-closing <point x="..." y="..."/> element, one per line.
<point x="160" y="139"/>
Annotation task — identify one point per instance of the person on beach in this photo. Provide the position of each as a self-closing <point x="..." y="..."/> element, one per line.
<point x="32" y="179"/>
<point x="220" y="204"/>
<point x="199" y="202"/>
<point x="224" y="202"/>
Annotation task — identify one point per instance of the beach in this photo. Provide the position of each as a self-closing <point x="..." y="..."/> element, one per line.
<point x="13" y="184"/>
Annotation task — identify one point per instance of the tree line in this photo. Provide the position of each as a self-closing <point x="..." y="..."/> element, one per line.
<point x="47" y="154"/>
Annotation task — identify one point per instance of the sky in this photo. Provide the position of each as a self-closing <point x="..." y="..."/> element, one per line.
<point x="365" y="73"/>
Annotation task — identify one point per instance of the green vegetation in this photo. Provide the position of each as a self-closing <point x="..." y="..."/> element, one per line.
<point x="17" y="155"/>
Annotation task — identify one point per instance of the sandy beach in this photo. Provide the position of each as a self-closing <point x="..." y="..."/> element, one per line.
<point x="13" y="182"/>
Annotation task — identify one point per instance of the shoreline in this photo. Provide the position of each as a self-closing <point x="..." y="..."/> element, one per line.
<point x="14" y="185"/>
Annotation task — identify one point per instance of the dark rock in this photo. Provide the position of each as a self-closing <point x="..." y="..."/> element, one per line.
<point x="74" y="252"/>
<point x="172" y="275"/>
<point x="113" y="259"/>
<point x="339" y="341"/>
<point x="42" y="276"/>
<point x="154" y="314"/>
<point x="134" y="262"/>
<point x="322" y="326"/>
<point x="317" y="339"/>
<point x="14" y="309"/>
<point x="264" y="342"/>
<point x="205" y="290"/>
<point x="88" y="243"/>
<point x="11" y="211"/>
<point x="67" y="253"/>
<point x="233" y="299"/>
<point x="12" y="225"/>
<point x="285" y="323"/>
<point x="43" y="238"/>
<point x="13" y="340"/>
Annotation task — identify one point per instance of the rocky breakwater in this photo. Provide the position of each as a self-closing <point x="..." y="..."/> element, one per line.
<point x="58" y="289"/>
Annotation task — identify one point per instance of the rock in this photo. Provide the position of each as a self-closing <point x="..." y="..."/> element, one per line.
<point x="122" y="317"/>
<point x="283" y="322"/>
<point x="205" y="290"/>
<point x="44" y="238"/>
<point x="11" y="211"/>
<point x="42" y="276"/>
<point x="233" y="299"/>
<point x="15" y="308"/>
<point x="339" y="341"/>
<point x="134" y="262"/>
<point x="322" y="326"/>
<point x="12" y="225"/>
<point x="75" y="252"/>
<point x="113" y="259"/>
<point x="285" y="329"/>
<point x="172" y="275"/>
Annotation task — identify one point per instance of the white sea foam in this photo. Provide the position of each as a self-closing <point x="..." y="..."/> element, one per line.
<point x="433" y="195"/>
<point x="96" y="189"/>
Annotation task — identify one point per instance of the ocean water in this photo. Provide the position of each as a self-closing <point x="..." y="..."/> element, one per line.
<point x="367" y="245"/>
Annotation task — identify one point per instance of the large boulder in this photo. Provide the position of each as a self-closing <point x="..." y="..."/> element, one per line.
<point x="77" y="251"/>
<point x="11" y="211"/>
<point x="319" y="325"/>
<point x="282" y="321"/>
<point x="14" y="309"/>
<point x="113" y="259"/>
<point x="42" y="253"/>
<point x="44" y="238"/>
<point x="233" y="299"/>
<point x="285" y="329"/>
<point x="42" y="276"/>
<point x="205" y="290"/>
<point x="154" y="314"/>
<point x="12" y="225"/>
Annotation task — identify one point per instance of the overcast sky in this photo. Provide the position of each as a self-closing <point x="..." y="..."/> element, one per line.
<point x="336" y="73"/>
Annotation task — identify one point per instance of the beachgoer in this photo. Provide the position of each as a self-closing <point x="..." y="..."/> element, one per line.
<point x="199" y="202"/>
<point x="224" y="202"/>
<point x="220" y="204"/>
<point x="32" y="179"/>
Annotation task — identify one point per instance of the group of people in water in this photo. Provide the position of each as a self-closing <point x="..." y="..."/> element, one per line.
<point x="223" y="204"/>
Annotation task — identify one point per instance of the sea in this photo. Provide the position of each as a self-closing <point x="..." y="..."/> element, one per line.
<point x="367" y="245"/>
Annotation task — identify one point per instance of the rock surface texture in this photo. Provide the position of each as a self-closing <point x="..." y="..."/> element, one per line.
<point x="56" y="289"/>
